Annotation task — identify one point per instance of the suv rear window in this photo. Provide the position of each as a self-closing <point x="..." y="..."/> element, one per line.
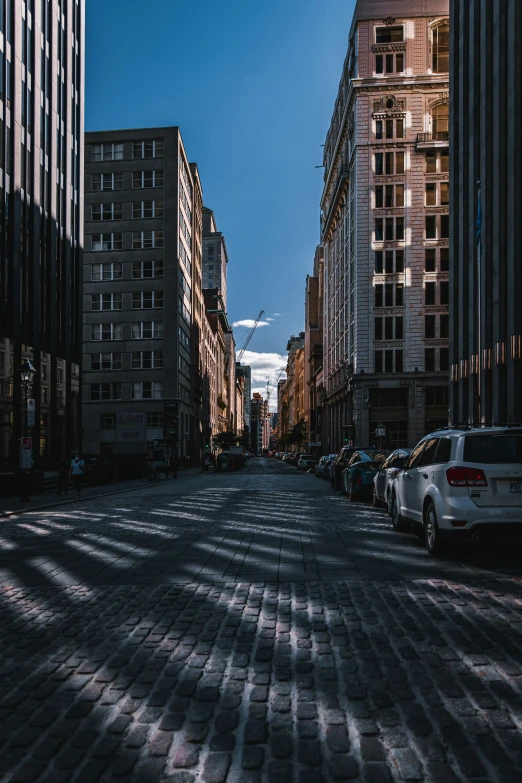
<point x="491" y="448"/>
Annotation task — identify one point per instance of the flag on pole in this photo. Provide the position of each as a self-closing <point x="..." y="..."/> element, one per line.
<point x="478" y="223"/>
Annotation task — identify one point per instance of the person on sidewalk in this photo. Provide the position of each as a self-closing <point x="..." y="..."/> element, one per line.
<point x="76" y="471"/>
<point x="63" y="477"/>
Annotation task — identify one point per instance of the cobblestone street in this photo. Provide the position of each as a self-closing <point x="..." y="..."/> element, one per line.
<point x="253" y="627"/>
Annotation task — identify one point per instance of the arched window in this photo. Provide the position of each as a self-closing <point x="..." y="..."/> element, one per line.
<point x="440" y="48"/>
<point x="440" y="118"/>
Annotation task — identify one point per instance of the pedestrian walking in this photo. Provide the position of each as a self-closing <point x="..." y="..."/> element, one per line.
<point x="76" y="471"/>
<point x="63" y="477"/>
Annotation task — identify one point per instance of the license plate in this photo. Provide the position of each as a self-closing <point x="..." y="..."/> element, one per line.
<point x="516" y="487"/>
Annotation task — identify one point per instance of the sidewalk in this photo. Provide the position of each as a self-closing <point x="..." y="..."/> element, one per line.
<point x="12" y="506"/>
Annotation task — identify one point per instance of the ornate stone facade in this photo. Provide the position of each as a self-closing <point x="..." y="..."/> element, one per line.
<point x="384" y="214"/>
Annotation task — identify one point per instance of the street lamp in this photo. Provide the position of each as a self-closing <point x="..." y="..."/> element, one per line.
<point x="27" y="373"/>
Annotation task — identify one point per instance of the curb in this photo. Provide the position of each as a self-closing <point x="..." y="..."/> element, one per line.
<point x="7" y="514"/>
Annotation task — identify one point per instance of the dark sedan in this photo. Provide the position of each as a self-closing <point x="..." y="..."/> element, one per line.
<point x="357" y="477"/>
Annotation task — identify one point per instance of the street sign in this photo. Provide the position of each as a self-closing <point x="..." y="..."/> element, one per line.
<point x="31" y="405"/>
<point x="314" y="443"/>
<point x="26" y="460"/>
<point x="157" y="449"/>
<point x="380" y="431"/>
<point x="30" y="418"/>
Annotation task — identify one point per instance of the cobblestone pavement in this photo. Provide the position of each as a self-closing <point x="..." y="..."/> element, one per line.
<point x="252" y="627"/>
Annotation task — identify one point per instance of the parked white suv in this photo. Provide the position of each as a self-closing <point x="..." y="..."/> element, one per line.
<point x="461" y="482"/>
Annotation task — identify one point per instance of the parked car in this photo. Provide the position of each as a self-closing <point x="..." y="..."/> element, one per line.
<point x="305" y="462"/>
<point x="384" y="477"/>
<point x="459" y="483"/>
<point x="328" y="467"/>
<point x="340" y="464"/>
<point x="287" y="456"/>
<point x="321" y="465"/>
<point x="294" y="459"/>
<point x="357" y="477"/>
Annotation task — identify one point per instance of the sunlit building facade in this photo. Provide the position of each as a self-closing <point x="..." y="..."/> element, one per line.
<point x="385" y="228"/>
<point x="41" y="221"/>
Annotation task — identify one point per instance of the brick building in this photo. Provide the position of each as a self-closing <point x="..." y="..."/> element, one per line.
<point x="385" y="227"/>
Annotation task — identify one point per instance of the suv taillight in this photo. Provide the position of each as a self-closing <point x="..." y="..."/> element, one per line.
<point x="466" y="477"/>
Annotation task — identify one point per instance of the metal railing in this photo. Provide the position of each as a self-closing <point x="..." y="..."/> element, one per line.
<point x="426" y="138"/>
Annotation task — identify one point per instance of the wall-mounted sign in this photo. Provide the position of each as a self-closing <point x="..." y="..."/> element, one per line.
<point x="130" y="427"/>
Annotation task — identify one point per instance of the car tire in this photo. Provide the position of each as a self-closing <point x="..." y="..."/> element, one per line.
<point x="433" y="540"/>
<point x="375" y="500"/>
<point x="389" y="503"/>
<point x="398" y="521"/>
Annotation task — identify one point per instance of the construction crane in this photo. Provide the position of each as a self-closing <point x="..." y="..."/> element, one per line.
<point x="249" y="336"/>
<point x="268" y="392"/>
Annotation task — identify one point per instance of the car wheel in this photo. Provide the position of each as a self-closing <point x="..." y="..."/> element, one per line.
<point x="398" y="521"/>
<point x="375" y="499"/>
<point x="432" y="536"/>
<point x="389" y="503"/>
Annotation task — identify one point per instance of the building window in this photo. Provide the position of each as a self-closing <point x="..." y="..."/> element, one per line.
<point x="430" y="260"/>
<point x="386" y="293"/>
<point x="112" y="271"/>
<point x="107" y="212"/>
<point x="379" y="230"/>
<point x="183" y="339"/>
<point x="431" y="227"/>
<point x="431" y="194"/>
<point x="379" y="255"/>
<point x="147" y="179"/>
<point x="101" y="182"/>
<point x="147" y="390"/>
<point x="108" y="421"/>
<point x="147" y="269"/>
<point x="444" y="259"/>
<point x="101" y="152"/>
<point x="146" y="330"/>
<point x="147" y="360"/>
<point x="106" y="301"/>
<point x="104" y="242"/>
<point x="154" y="420"/>
<point x="444" y="161"/>
<point x="429" y="327"/>
<point x="389" y="361"/>
<point x="147" y="209"/>
<point x="440" y="48"/>
<point x="389" y="34"/>
<point x="105" y="361"/>
<point x="105" y="391"/>
<point x="429" y="359"/>
<point x="444" y="326"/>
<point x="430" y="293"/>
<point x="378" y="328"/>
<point x="444" y="194"/>
<point x="444" y="359"/>
<point x="440" y="118"/>
<point x="389" y="63"/>
<point x="147" y="300"/>
<point x="444" y="292"/>
<point x="444" y="226"/>
<point x="106" y="331"/>
<point x="147" y="239"/>
<point x="399" y="328"/>
<point x="148" y="149"/>
<point x="431" y="162"/>
<point x="436" y="396"/>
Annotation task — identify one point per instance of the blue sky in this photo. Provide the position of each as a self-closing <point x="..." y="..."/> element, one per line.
<point x="252" y="88"/>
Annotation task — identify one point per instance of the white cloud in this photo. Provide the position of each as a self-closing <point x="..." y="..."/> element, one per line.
<point x="276" y="315"/>
<point x="269" y="319"/>
<point x="248" y="323"/>
<point x="265" y="367"/>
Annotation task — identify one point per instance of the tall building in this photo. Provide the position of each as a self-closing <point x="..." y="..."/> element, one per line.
<point x="198" y="431"/>
<point x="247" y="393"/>
<point x="313" y="353"/>
<point x="41" y="220"/>
<point x="486" y="281"/>
<point x="138" y="269"/>
<point x="215" y="256"/>
<point x="219" y="326"/>
<point x="260" y="424"/>
<point x="385" y="227"/>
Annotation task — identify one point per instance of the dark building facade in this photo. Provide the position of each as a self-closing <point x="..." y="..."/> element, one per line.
<point x="138" y="277"/>
<point x="486" y="280"/>
<point x="41" y="219"/>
